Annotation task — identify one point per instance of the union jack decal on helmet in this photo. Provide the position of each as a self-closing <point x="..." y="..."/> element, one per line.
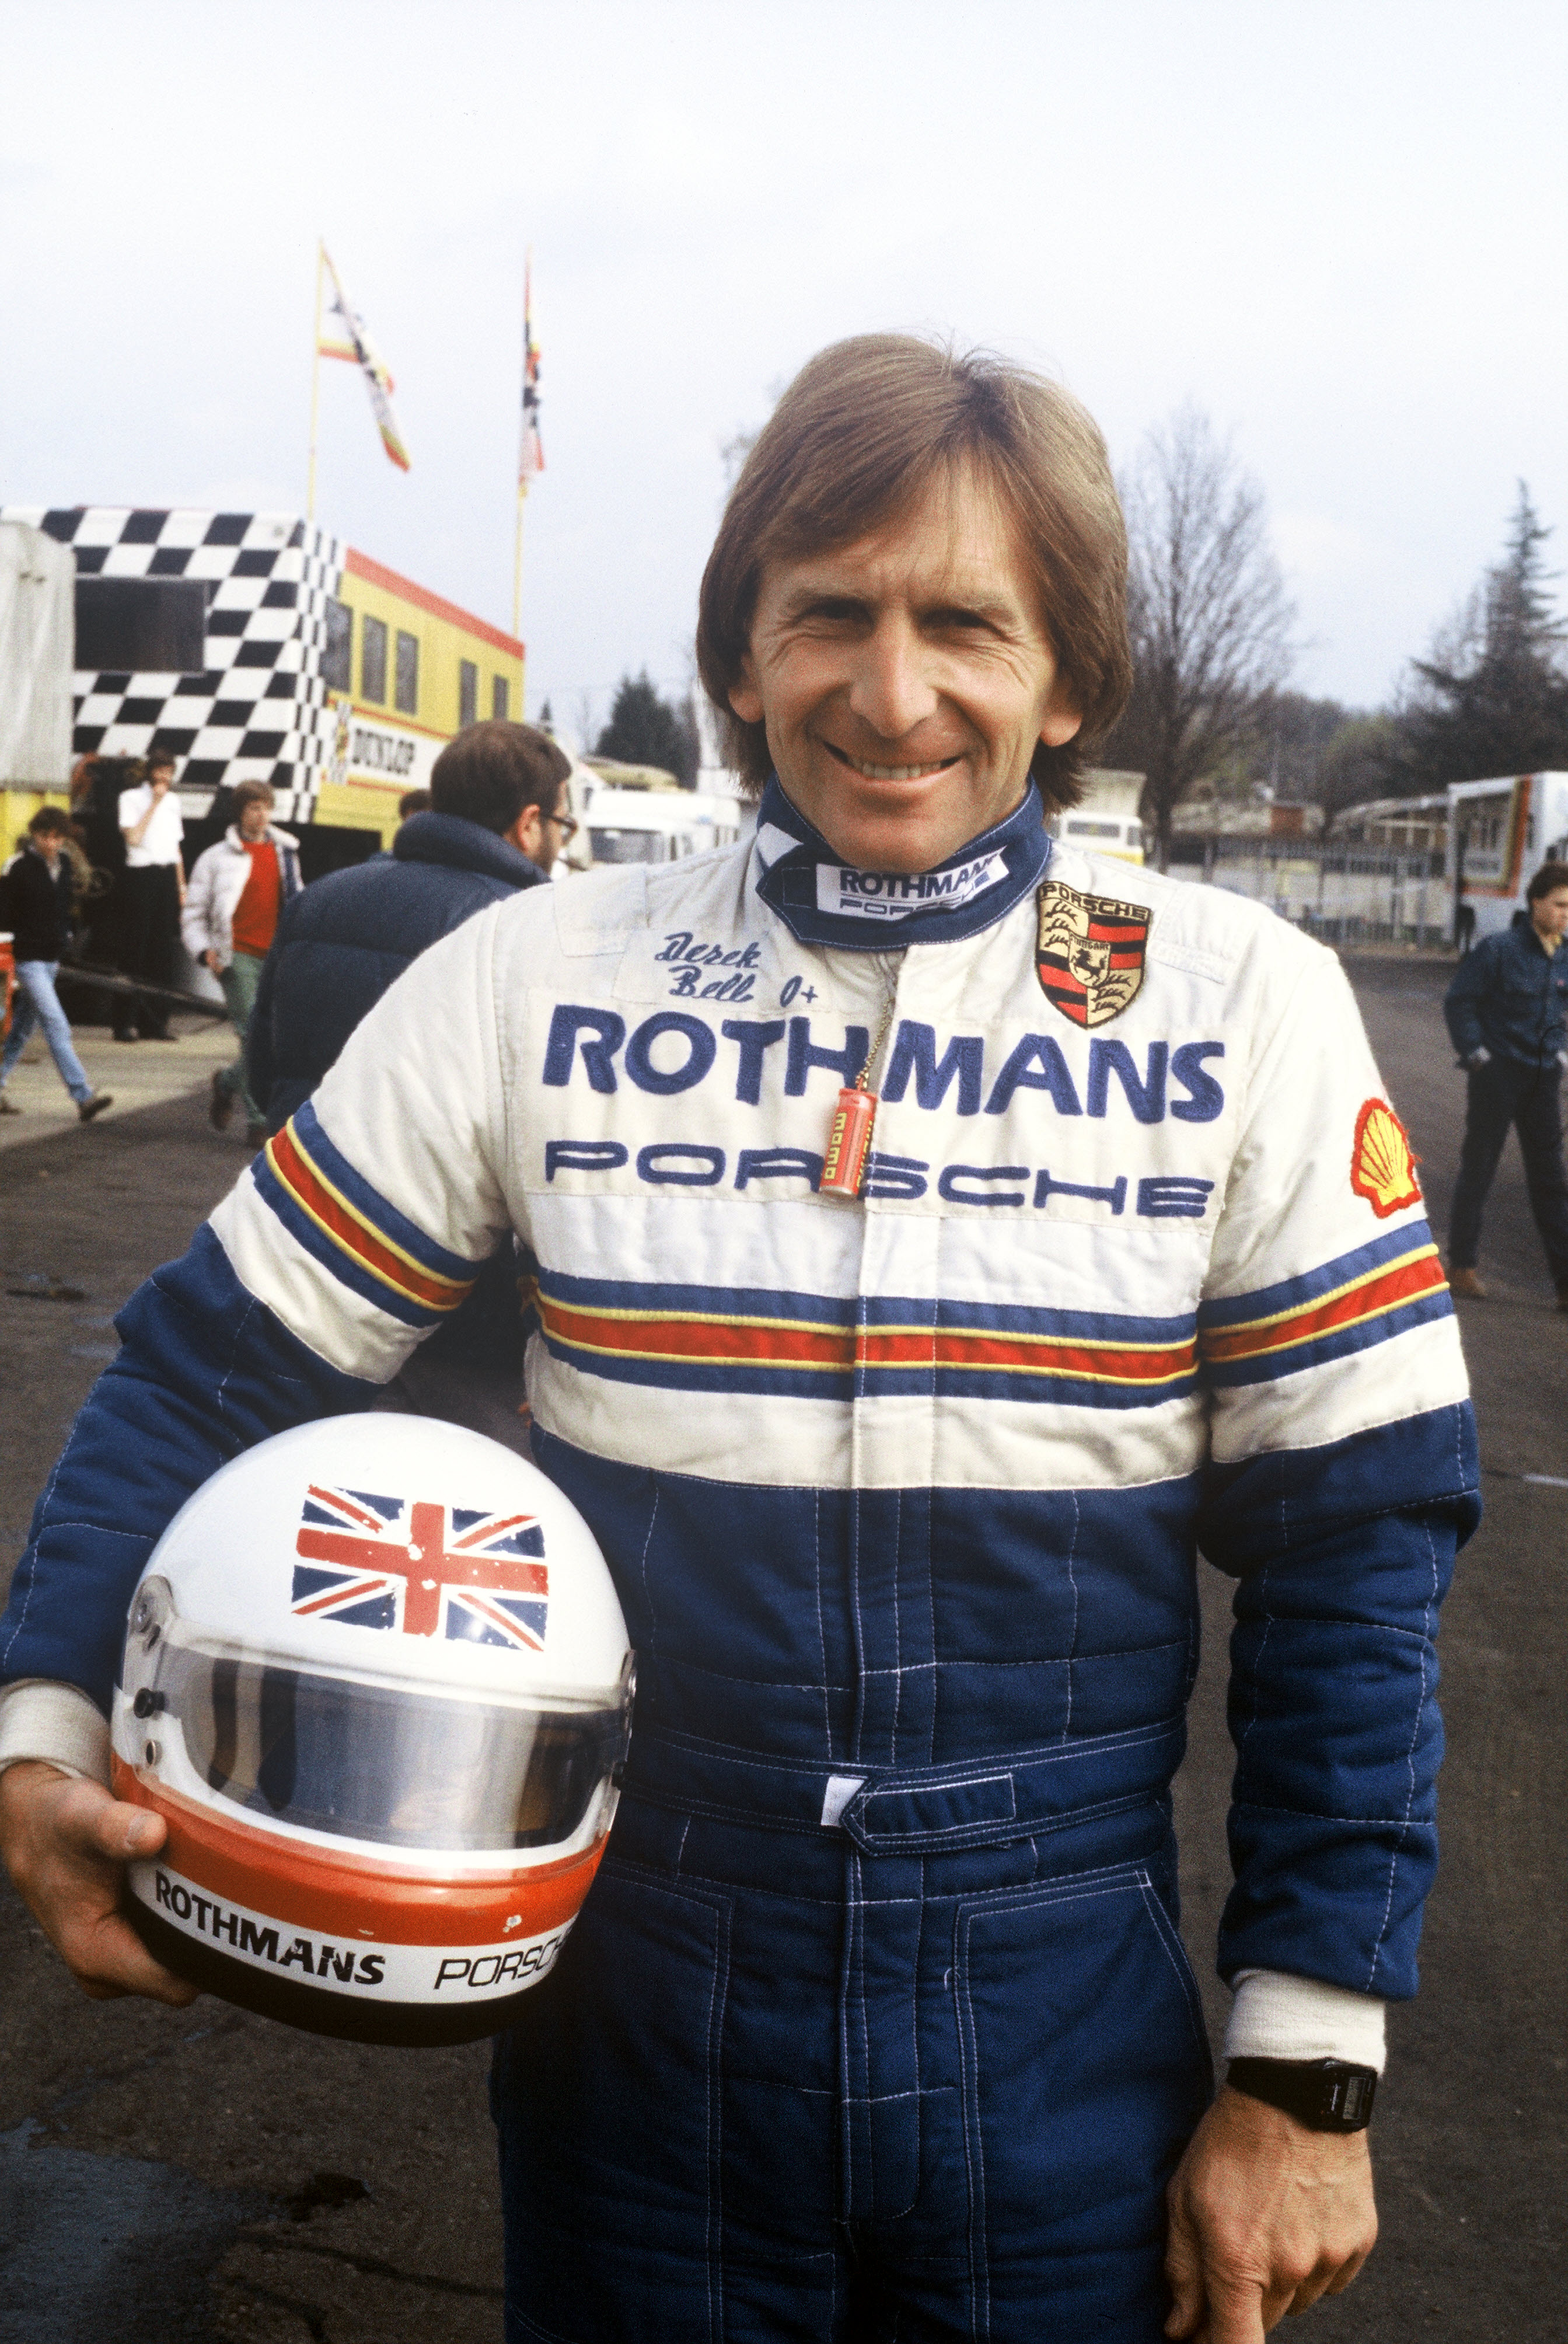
<point x="420" y="1569"/>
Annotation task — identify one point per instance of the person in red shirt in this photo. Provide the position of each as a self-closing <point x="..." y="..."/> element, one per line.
<point x="236" y="894"/>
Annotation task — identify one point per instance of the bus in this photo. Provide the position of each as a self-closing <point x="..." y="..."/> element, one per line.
<point x="1500" y="833"/>
<point x="255" y="646"/>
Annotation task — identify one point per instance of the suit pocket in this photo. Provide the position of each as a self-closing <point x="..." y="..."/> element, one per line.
<point x="1085" y="2062"/>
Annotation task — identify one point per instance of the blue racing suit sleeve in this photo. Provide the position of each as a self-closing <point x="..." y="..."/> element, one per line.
<point x="301" y="1296"/>
<point x="204" y="1371"/>
<point x="1341" y="1479"/>
<point x="1342" y="1555"/>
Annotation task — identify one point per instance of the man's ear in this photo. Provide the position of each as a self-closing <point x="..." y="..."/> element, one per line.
<point x="1062" y="721"/>
<point x="744" y="696"/>
<point x="526" y="831"/>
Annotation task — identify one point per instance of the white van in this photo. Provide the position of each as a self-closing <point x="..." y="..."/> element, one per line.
<point x="1105" y="821"/>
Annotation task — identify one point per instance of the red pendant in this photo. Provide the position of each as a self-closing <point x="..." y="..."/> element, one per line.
<point x="854" y="1119"/>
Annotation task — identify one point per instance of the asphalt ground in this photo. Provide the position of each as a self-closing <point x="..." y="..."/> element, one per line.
<point x="205" y="2173"/>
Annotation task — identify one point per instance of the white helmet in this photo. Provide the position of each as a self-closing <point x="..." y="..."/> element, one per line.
<point x="376" y="1681"/>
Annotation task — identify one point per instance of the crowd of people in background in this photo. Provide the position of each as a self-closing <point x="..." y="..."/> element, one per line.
<point x="111" y="870"/>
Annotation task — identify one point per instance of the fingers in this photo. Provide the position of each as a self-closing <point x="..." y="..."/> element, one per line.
<point x="92" y="1823"/>
<point x="1235" y="2311"/>
<point x="66" y="1843"/>
<point x="114" y="1961"/>
<point x="1184" y="2274"/>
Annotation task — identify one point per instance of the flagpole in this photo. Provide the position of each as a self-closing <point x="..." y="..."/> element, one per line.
<point x="314" y="380"/>
<point x="517" y="563"/>
<point x="522" y="475"/>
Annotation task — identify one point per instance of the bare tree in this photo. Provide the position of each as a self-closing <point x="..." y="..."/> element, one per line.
<point x="1209" y="620"/>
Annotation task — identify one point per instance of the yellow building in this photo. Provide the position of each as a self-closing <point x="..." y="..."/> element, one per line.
<point x="257" y="646"/>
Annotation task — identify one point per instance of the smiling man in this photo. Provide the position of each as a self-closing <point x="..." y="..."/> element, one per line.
<point x="941" y="1235"/>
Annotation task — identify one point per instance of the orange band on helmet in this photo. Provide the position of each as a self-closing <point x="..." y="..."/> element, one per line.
<point x="347" y="1895"/>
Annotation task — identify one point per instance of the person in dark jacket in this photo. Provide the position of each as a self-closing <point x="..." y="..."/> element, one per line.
<point x="1507" y="1012"/>
<point x="493" y="828"/>
<point x="35" y="906"/>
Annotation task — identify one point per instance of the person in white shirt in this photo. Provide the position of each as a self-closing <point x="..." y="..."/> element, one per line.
<point x="153" y="889"/>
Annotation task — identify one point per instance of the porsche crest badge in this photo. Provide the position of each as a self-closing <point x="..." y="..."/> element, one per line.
<point x="1090" y="952"/>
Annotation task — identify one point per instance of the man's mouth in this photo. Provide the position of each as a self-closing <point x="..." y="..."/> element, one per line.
<point x="869" y="773"/>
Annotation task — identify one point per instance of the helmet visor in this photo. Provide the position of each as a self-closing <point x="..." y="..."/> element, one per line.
<point x="375" y="1762"/>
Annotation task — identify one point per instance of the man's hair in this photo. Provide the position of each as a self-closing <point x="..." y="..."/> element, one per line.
<point x="413" y="802"/>
<point x="493" y="771"/>
<point x="49" y="823"/>
<point x="157" y="761"/>
<point x="862" y="432"/>
<point x="252" y="794"/>
<point x="1546" y="882"/>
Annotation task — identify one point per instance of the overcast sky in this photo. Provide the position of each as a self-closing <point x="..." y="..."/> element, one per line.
<point x="1341" y="228"/>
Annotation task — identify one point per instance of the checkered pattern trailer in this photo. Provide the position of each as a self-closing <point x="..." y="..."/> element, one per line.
<point x="257" y="709"/>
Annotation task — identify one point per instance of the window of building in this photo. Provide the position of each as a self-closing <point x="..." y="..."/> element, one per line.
<point x="408" y="697"/>
<point x="151" y="626"/>
<point x="337" y="652"/>
<point x="500" y="699"/>
<point x="372" y="657"/>
<point x="467" y="694"/>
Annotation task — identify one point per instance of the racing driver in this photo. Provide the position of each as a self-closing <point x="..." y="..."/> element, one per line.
<point x="900" y="1442"/>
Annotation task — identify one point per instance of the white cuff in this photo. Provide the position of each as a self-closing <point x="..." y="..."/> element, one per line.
<point x="56" y="1723"/>
<point x="1277" y="2017"/>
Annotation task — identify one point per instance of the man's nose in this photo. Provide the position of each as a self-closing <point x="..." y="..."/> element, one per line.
<point x="890" y="690"/>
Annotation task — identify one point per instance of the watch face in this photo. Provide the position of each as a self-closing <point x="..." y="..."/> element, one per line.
<point x="1348" y="2098"/>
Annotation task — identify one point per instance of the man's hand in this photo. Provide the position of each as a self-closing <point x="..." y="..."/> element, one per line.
<point x="210" y="960"/>
<point x="1266" y="2216"/>
<point x="66" y="1844"/>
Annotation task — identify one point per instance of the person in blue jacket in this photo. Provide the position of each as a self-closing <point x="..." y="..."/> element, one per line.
<point x="877" y="2021"/>
<point x="1507" y="1012"/>
<point x="492" y="829"/>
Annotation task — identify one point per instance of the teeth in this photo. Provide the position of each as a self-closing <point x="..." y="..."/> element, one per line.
<point x="900" y="772"/>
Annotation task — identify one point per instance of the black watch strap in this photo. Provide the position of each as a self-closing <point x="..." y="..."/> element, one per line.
<point x="1325" y="2095"/>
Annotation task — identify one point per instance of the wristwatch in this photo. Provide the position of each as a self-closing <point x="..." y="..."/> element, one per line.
<point x="1324" y="2095"/>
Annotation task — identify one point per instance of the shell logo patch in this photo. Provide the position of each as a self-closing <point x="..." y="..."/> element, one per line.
<point x="1382" y="1167"/>
<point x="1089" y="955"/>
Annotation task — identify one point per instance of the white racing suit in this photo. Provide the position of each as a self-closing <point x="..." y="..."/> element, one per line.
<point x="877" y="2020"/>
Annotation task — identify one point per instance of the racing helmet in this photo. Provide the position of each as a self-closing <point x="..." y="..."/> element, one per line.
<point x="376" y="1681"/>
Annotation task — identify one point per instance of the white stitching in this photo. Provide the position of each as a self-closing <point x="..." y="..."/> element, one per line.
<point x="647" y="1595"/>
<point x="898" y="1673"/>
<point x="821" y="1630"/>
<point x="1410" y="1767"/>
<point x="1073" y="1644"/>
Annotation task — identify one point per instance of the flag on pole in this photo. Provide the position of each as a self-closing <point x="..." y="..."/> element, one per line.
<point x="531" y="454"/>
<point x="358" y="350"/>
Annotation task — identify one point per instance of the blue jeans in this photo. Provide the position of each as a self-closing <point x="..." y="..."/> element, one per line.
<point x="38" y="1004"/>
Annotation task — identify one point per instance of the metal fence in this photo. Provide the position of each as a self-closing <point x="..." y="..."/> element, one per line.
<point x="1341" y="895"/>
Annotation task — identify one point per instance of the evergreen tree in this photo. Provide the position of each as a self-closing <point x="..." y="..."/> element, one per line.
<point x="644" y="730"/>
<point x="1492" y="697"/>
